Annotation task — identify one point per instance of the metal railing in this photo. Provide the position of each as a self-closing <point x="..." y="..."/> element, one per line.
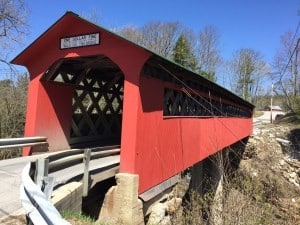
<point x="6" y="143"/>
<point x="36" y="188"/>
<point x="63" y="160"/>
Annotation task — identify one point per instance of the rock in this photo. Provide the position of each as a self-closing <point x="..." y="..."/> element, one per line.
<point x="283" y="141"/>
<point x="158" y="214"/>
<point x="173" y="205"/>
<point x="181" y="188"/>
<point x="293" y="175"/>
<point x="293" y="181"/>
<point x="281" y="162"/>
<point x="166" y="221"/>
<point x="286" y="174"/>
<point x="258" y="138"/>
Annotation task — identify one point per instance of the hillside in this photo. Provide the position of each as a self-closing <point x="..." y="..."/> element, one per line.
<point x="267" y="185"/>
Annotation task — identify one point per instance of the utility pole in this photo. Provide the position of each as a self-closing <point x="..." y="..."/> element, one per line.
<point x="296" y="69"/>
<point x="271" y="109"/>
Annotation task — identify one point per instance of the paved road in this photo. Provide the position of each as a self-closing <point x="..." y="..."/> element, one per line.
<point x="266" y="117"/>
<point x="10" y="178"/>
<point x="10" y="181"/>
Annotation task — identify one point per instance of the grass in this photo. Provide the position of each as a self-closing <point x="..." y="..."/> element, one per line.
<point x="261" y="199"/>
<point x="78" y="219"/>
<point x="245" y="201"/>
<point x="297" y="120"/>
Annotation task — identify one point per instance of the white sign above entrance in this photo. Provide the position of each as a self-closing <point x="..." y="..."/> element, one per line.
<point x="80" y="41"/>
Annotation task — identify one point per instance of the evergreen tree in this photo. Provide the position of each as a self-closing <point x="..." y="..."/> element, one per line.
<point x="208" y="75"/>
<point x="183" y="54"/>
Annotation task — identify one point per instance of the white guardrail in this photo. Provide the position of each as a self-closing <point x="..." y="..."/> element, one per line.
<point x="37" y="186"/>
<point x="38" y="208"/>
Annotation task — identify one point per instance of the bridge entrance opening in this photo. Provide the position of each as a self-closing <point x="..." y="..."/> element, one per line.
<point x="97" y="98"/>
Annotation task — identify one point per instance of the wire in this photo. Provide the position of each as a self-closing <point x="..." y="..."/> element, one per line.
<point x="194" y="92"/>
<point x="290" y="59"/>
<point x="187" y="91"/>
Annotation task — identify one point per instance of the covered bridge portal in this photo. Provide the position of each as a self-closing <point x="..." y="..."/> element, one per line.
<point x="90" y="87"/>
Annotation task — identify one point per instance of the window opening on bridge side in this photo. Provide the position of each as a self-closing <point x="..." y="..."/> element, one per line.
<point x="178" y="103"/>
<point x="215" y="102"/>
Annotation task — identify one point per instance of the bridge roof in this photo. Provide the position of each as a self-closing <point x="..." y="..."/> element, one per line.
<point x="70" y="18"/>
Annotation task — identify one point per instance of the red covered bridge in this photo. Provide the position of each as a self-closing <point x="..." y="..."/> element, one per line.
<point x="91" y="87"/>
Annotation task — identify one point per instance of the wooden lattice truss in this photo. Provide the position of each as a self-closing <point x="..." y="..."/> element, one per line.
<point x="98" y="97"/>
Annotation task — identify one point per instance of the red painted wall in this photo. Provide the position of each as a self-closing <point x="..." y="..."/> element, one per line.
<point x="166" y="146"/>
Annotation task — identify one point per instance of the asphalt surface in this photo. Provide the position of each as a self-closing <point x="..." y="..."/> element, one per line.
<point x="10" y="181"/>
<point x="266" y="117"/>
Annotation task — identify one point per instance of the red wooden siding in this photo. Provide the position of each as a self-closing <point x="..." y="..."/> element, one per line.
<point x="166" y="146"/>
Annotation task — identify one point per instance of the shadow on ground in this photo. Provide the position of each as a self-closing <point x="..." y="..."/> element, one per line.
<point x="294" y="138"/>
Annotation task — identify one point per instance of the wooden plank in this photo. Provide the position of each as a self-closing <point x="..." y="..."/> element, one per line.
<point x="101" y="154"/>
<point x="100" y="176"/>
<point x="66" y="159"/>
<point x="152" y="192"/>
<point x="86" y="174"/>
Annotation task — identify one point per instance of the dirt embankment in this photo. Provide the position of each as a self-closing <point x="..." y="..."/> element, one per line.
<point x="269" y="191"/>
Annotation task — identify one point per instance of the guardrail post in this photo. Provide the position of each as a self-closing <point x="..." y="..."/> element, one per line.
<point x="48" y="184"/>
<point x="42" y="180"/>
<point x="86" y="174"/>
<point x="41" y="171"/>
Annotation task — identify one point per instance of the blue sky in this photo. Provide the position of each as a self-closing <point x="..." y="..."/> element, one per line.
<point x="256" y="24"/>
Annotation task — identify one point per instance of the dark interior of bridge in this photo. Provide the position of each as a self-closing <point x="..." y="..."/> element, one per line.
<point x="97" y="100"/>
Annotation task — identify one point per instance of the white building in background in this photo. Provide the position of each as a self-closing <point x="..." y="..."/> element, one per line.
<point x="275" y="108"/>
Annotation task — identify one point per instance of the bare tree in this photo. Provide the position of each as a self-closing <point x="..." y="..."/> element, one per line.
<point x="93" y="16"/>
<point x="208" y="51"/>
<point x="131" y="33"/>
<point x="13" y="25"/>
<point x="286" y="63"/>
<point x="12" y="106"/>
<point x="159" y="37"/>
<point x="248" y="68"/>
<point x="13" y="90"/>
